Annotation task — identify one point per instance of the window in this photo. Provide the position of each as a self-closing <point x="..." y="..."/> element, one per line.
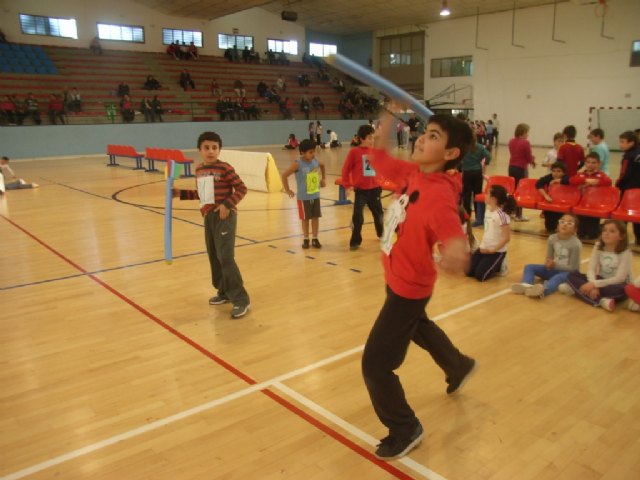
<point x="170" y="35"/>
<point x="402" y="50"/>
<point x="228" y="41"/>
<point x="53" y="27"/>
<point x="286" y="46"/>
<point x="452" y="67"/>
<point x="124" y="33"/>
<point x="321" y="50"/>
<point x="635" y="53"/>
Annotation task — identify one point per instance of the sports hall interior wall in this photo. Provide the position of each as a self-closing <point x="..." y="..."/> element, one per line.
<point x="545" y="83"/>
<point x="61" y="140"/>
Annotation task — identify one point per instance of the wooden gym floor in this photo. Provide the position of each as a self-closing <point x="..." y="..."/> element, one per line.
<point x="114" y="366"/>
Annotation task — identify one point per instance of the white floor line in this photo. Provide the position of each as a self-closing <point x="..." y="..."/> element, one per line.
<point x="214" y="403"/>
<point x="470" y="305"/>
<point x="356" y="432"/>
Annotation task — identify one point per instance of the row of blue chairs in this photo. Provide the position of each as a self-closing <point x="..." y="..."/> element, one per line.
<point x="23" y="48"/>
<point x="17" y="58"/>
<point x="42" y="70"/>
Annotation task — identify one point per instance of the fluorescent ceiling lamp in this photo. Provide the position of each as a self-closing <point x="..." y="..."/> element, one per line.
<point x="444" y="11"/>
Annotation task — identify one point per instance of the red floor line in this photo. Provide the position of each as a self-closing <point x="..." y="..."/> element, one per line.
<point x="227" y="366"/>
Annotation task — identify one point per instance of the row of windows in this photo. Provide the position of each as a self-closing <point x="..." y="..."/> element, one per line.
<point x="66" y="27"/>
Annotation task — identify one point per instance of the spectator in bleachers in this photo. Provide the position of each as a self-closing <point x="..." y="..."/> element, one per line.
<point x="186" y="80"/>
<point x="21" y="110"/>
<point x="282" y="59"/>
<point x="66" y="99"/>
<point x="322" y="72"/>
<point x="8" y="110"/>
<point x="285" y="108"/>
<point x="306" y="58"/>
<point x="238" y="87"/>
<point x="254" y="56"/>
<point x="216" y="91"/>
<point x="262" y="88"/>
<point x="272" y="95"/>
<point x="235" y="54"/>
<point x="151" y="83"/>
<point x="126" y="109"/>
<point x="173" y="50"/>
<point x="224" y="107"/>
<point x="305" y="107"/>
<point x="56" y="109"/>
<point x="32" y="109"/>
<point x="303" y="80"/>
<point x="192" y="51"/>
<point x="246" y="55"/>
<point x="123" y="89"/>
<point x="281" y="84"/>
<point x="184" y="51"/>
<point x="156" y="105"/>
<point x="75" y="102"/>
<point x="271" y="57"/>
<point x="146" y="108"/>
<point x="95" y="46"/>
<point x="252" y="110"/>
<point x="238" y="111"/>
<point x="317" y="103"/>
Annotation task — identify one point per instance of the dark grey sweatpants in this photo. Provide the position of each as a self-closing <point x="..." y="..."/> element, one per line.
<point x="220" y="238"/>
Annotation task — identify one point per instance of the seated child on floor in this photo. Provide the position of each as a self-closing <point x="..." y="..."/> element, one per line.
<point x="563" y="256"/>
<point x="487" y="260"/>
<point x="608" y="272"/>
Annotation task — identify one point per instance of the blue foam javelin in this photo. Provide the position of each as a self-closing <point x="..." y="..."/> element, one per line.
<point x="357" y="71"/>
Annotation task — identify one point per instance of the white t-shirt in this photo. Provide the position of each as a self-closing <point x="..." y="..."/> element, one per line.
<point x="493" y="223"/>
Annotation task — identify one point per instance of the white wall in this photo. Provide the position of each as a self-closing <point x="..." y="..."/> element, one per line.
<point x="255" y="22"/>
<point x="545" y="84"/>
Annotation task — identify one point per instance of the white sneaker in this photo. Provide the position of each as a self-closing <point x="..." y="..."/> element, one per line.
<point x="608" y="304"/>
<point x="633" y="306"/>
<point x="566" y="289"/>
<point x="536" y="291"/>
<point x="504" y="269"/>
<point x="520" y="288"/>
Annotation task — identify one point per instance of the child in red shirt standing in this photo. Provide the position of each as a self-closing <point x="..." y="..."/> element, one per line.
<point x="424" y="214"/>
<point x="357" y="173"/>
<point x="571" y="153"/>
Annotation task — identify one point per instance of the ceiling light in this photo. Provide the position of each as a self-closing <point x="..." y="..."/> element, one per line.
<point x="444" y="11"/>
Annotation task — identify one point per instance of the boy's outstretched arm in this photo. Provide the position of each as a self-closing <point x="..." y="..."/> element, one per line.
<point x="323" y="182"/>
<point x="455" y="256"/>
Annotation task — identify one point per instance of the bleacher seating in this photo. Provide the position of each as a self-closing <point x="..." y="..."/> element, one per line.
<point x="15" y="58"/>
<point x="56" y="69"/>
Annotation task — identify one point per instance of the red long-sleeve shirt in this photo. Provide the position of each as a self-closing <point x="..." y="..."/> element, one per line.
<point x="431" y="211"/>
<point x="572" y="155"/>
<point x="354" y="168"/>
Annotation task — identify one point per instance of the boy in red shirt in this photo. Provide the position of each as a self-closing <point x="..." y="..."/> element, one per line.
<point x="591" y="176"/>
<point x="357" y="173"/>
<point x="425" y="214"/>
<point x="571" y="153"/>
